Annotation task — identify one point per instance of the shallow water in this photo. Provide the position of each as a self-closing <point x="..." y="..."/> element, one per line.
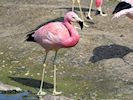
<point x="19" y="96"/>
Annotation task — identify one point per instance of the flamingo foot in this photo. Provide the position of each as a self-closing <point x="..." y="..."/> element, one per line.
<point x="85" y="25"/>
<point x="41" y="93"/>
<point x="104" y="14"/>
<point x="56" y="93"/>
<point x="89" y="17"/>
<point x="100" y="13"/>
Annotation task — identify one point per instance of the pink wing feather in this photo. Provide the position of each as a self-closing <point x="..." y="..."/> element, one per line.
<point x="52" y="35"/>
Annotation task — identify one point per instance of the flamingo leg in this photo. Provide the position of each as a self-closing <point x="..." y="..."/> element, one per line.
<point x="101" y="12"/>
<point x="99" y="4"/>
<point x="73" y="5"/>
<point x="89" y="13"/>
<point x="40" y="93"/>
<point x="55" y="69"/>
<point x="81" y="12"/>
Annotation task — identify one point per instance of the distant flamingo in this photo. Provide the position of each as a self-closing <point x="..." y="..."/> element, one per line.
<point x="98" y="3"/>
<point x="124" y="8"/>
<point x="56" y="35"/>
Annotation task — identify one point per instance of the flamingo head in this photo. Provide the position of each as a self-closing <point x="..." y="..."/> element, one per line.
<point x="73" y="17"/>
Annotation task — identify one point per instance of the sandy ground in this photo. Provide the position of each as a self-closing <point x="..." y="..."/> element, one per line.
<point x="99" y="67"/>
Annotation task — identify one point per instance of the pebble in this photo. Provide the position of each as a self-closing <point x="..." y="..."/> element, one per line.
<point x="3" y="66"/>
<point x="30" y="58"/>
<point x="121" y="35"/>
<point x="87" y="88"/>
<point x="80" y="56"/>
<point x="14" y="61"/>
<point x="34" y="49"/>
<point x="62" y="67"/>
<point x="60" y="73"/>
<point x="63" y="72"/>
<point x="32" y="75"/>
<point x="1" y="53"/>
<point x="10" y="72"/>
<point x="93" y="96"/>
<point x="52" y="76"/>
<point x="61" y="61"/>
<point x="38" y="74"/>
<point x="75" y="93"/>
<point x="27" y="73"/>
<point x="10" y="47"/>
<point x="100" y="80"/>
<point x="66" y="54"/>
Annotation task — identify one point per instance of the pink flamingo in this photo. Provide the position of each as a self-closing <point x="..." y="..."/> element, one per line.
<point x="56" y="35"/>
<point x="98" y="4"/>
<point x="124" y="8"/>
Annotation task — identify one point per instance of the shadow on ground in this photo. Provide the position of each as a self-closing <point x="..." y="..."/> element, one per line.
<point x="31" y="82"/>
<point x="77" y="9"/>
<point x="109" y="51"/>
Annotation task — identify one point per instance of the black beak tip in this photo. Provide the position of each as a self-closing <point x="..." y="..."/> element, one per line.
<point x="81" y="24"/>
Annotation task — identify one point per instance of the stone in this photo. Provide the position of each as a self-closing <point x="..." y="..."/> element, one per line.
<point x="51" y="97"/>
<point x="6" y="88"/>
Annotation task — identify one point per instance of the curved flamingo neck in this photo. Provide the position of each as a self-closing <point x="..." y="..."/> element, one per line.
<point x="74" y="36"/>
<point x="70" y="28"/>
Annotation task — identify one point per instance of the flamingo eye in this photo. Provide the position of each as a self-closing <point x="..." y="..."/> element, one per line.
<point x="73" y="17"/>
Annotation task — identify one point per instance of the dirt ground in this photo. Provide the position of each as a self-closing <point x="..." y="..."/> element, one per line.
<point x="100" y="67"/>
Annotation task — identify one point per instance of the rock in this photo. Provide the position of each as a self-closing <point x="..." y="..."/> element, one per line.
<point x="50" y="97"/>
<point x="6" y="88"/>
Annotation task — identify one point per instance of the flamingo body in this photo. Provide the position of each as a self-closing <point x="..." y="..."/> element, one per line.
<point x="98" y="3"/>
<point x="124" y="8"/>
<point x="56" y="35"/>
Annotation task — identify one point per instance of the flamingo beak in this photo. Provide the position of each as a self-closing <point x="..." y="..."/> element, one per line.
<point x="81" y="24"/>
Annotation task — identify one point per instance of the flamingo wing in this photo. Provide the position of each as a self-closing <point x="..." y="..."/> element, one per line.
<point x="52" y="35"/>
<point x="123" y="12"/>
